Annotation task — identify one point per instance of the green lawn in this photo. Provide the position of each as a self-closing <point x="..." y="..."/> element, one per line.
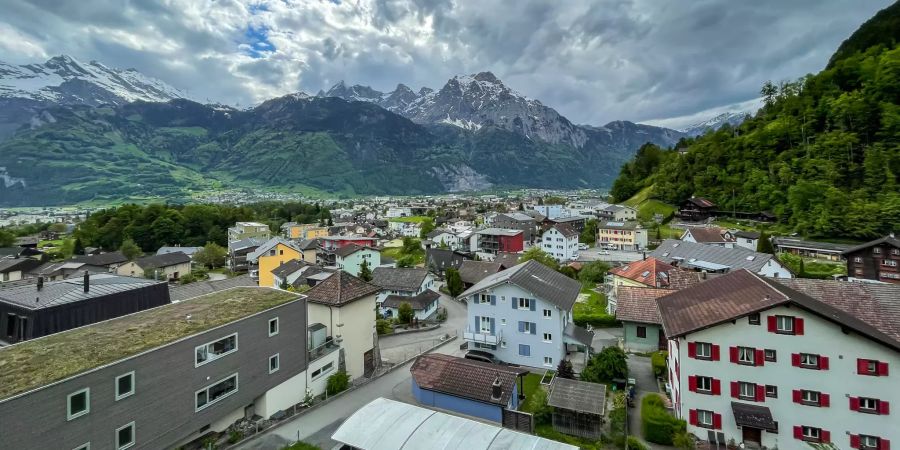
<point x="547" y="431"/>
<point x="531" y="384"/>
<point x="397" y="252"/>
<point x="596" y="303"/>
<point x="412" y="219"/>
<point x="53" y="243"/>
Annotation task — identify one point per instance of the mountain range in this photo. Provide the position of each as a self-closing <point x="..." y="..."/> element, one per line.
<point x="73" y="132"/>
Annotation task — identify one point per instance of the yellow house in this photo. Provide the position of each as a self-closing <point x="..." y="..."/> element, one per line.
<point x="294" y="230"/>
<point x="314" y="231"/>
<point x="267" y="257"/>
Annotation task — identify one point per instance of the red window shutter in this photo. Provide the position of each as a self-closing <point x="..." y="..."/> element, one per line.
<point x="795" y="359"/>
<point x="797" y="395"/>
<point x="716" y="387"/>
<point x="883" y="368"/>
<point x="760" y="392"/>
<point x="692" y="383"/>
<point x="693" y="417"/>
<point x="773" y="327"/>
<point x="824" y="400"/>
<point x="760" y="358"/>
<point x="717" y="421"/>
<point x="862" y="366"/>
<point x="735" y="389"/>
<point x="826" y="436"/>
<point x="854" y="441"/>
<point x="715" y="353"/>
<point x="798" y="432"/>
<point x="854" y="403"/>
<point x="692" y="349"/>
<point x="733" y="351"/>
<point x="798" y="326"/>
<point x="884" y="444"/>
<point x="823" y="362"/>
<point x="884" y="407"/>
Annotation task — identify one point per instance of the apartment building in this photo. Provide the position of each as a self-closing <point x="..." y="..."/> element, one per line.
<point x="560" y="242"/>
<point x="523" y="315"/>
<point x="785" y="362"/>
<point x="244" y="230"/>
<point x="351" y="257"/>
<point x="494" y="240"/>
<point x="622" y="235"/>
<point x="158" y="378"/>
<point x="876" y="260"/>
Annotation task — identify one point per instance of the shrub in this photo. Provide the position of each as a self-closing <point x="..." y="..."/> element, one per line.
<point x="596" y="320"/>
<point x="235" y="436"/>
<point x="405" y="313"/>
<point x="684" y="441"/>
<point x="606" y="366"/>
<point x="657" y="424"/>
<point x="383" y="326"/>
<point x="338" y="382"/>
<point x="635" y="444"/>
<point x="302" y="446"/>
<point x="658" y="362"/>
<point x="543" y="413"/>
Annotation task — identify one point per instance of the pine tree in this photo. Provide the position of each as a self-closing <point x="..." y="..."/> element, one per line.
<point x="565" y="370"/>
<point x="765" y="244"/>
<point x="79" y="247"/>
<point x="365" y="273"/>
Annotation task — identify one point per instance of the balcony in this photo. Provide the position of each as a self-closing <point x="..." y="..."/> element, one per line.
<point x="322" y="350"/>
<point x="482" y="337"/>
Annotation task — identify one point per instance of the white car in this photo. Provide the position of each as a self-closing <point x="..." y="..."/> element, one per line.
<point x="603" y="252"/>
<point x="583" y="247"/>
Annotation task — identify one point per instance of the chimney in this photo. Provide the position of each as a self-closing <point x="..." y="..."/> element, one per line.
<point x="645" y="255"/>
<point x="496" y="389"/>
<point x="40" y="283"/>
<point x="87" y="281"/>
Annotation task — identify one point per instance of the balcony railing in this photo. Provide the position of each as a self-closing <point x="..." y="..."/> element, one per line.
<point x="482" y="337"/>
<point x="322" y="350"/>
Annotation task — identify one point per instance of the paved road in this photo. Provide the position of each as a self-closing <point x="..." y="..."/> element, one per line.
<point x="593" y="254"/>
<point x="396" y="348"/>
<point x="641" y="370"/>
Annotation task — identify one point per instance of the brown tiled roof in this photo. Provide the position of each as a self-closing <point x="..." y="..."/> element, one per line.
<point x="340" y="289"/>
<point x="350" y="249"/>
<point x="682" y="279"/>
<point x="650" y="272"/>
<point x="507" y="259"/>
<point x="566" y="230"/>
<point x="472" y="272"/>
<point x="464" y="377"/>
<point x="709" y="235"/>
<point x="636" y="304"/>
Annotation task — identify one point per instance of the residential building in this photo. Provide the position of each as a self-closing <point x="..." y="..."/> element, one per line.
<point x="303" y="231"/>
<point x="642" y="327"/>
<point x="412" y="427"/>
<point x="288" y="272"/>
<point x="696" y="209"/>
<point x="471" y="272"/>
<point x="14" y="269"/>
<point x="398" y="211"/>
<point x="345" y="305"/>
<point x="331" y="243"/>
<point x="709" y="236"/>
<point x="424" y="304"/>
<point x="617" y="213"/>
<point x="268" y="256"/>
<point x="309" y="249"/>
<point x="159" y="378"/>
<point x="784" y="362"/>
<point x="578" y="407"/>
<point x="747" y="239"/>
<point x="101" y="262"/>
<point x="712" y="259"/>
<point x="523" y="315"/>
<point x="622" y="235"/>
<point x="238" y="251"/>
<point x="190" y="251"/>
<point x="574" y="221"/>
<point x="405" y="282"/>
<point x="244" y="230"/>
<point x="549" y="211"/>
<point x="350" y="258"/>
<point x="493" y="240"/>
<point x="438" y="260"/>
<point x="517" y="221"/>
<point x="875" y="260"/>
<point x="56" y="271"/>
<point x="560" y="242"/>
<point x="165" y="267"/>
<point x="405" y="228"/>
<point x="811" y="249"/>
<point x="35" y="308"/>
<point x="471" y="388"/>
<point x="649" y="272"/>
<point x="444" y="238"/>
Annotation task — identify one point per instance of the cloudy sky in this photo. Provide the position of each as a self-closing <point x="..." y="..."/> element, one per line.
<point x="594" y="61"/>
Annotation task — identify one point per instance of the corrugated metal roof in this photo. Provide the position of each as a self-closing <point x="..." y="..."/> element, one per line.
<point x="580" y="396"/>
<point x="710" y="256"/>
<point x="70" y="290"/>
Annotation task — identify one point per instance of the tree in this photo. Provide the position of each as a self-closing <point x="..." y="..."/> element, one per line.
<point x="212" y="255"/>
<point x="426" y="227"/>
<point x="365" y="273"/>
<point x="564" y="369"/>
<point x="768" y="92"/>
<point x="411" y="246"/>
<point x="454" y="282"/>
<point x="593" y="272"/>
<point x="58" y="227"/>
<point x="406" y="261"/>
<point x="130" y="249"/>
<point x="535" y="253"/>
<point x="765" y="244"/>
<point x="6" y="238"/>
<point x="405" y="313"/>
<point x="589" y="235"/>
<point x="611" y="363"/>
<point x="78" y="249"/>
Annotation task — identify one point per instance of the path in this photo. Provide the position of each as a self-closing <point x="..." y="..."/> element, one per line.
<point x="641" y="370"/>
<point x="396" y="348"/>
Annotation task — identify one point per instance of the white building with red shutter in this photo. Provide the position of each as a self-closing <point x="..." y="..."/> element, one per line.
<point x="782" y="363"/>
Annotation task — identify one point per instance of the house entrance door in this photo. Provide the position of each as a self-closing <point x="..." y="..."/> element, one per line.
<point x="752" y="437"/>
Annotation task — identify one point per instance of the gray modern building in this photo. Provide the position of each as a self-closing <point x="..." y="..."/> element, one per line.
<point x="517" y="221"/>
<point x="158" y="378"/>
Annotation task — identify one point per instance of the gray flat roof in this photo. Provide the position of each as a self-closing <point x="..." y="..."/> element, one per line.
<point x="70" y="290"/>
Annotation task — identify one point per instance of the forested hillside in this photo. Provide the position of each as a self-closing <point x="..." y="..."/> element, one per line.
<point x="823" y="153"/>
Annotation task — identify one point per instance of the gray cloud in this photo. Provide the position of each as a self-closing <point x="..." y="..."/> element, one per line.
<point x="594" y="61"/>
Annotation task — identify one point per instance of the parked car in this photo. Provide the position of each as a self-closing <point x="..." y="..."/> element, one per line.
<point x="478" y="355"/>
<point x="603" y="252"/>
<point x="583" y="247"/>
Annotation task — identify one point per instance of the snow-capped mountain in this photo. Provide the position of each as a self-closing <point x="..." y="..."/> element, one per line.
<point x="65" y="80"/>
<point x="730" y="117"/>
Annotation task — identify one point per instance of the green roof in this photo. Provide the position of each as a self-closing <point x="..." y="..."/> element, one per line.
<point x="32" y="364"/>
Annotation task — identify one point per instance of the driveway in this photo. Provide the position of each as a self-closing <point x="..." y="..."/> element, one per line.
<point x="399" y="347"/>
<point x="641" y="370"/>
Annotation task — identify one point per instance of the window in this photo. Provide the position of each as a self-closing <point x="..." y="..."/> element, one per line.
<point x="216" y="349"/>
<point x="771" y="391"/>
<point x="322" y="370"/>
<point x="704" y="384"/>
<point x="871" y="367"/>
<point x="770" y="355"/>
<point x="216" y="392"/>
<point x="274" y="363"/>
<point x="273" y="327"/>
<point x="809" y="360"/>
<point x="502" y="322"/>
<point x="548" y="361"/>
<point x="857" y="259"/>
<point x="641" y="332"/>
<point x="811" y="433"/>
<point x="868" y="404"/>
<point x="747" y="390"/>
<point x="526" y="327"/>
<point x="548" y="337"/>
<point x="485" y="325"/>
<point x="547" y="313"/>
<point x="753" y="319"/>
<point x="704" y="418"/>
<point x="704" y="350"/>
<point x="809" y="397"/>
<point x="79" y="404"/>
<point x="876" y="250"/>
<point x="524" y="303"/>
<point x="784" y="324"/>
<point x="869" y="442"/>
<point x="524" y="350"/>
<point x="125" y="437"/>
<point x="484" y="298"/>
<point x="746" y="355"/>
<point x="124" y="385"/>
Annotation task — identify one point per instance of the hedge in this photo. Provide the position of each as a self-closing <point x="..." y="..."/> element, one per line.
<point x="658" y="362"/>
<point x="635" y="444"/>
<point x="597" y="320"/>
<point x="657" y="424"/>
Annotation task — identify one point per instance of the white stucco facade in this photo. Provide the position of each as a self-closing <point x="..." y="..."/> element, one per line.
<point x="351" y="264"/>
<point x="352" y="326"/>
<point x="559" y="246"/>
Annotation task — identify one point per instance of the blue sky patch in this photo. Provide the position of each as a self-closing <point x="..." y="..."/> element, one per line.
<point x="257" y="41"/>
